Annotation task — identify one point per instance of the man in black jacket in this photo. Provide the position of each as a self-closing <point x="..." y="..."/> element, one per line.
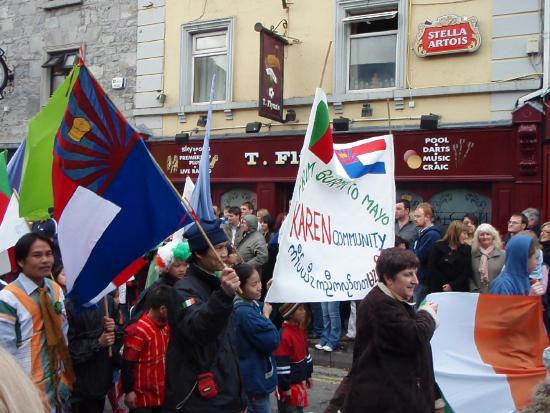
<point x="202" y="365"/>
<point x="91" y="333"/>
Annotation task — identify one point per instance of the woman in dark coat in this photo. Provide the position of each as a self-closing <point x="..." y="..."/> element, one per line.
<point x="450" y="262"/>
<point x="392" y="369"/>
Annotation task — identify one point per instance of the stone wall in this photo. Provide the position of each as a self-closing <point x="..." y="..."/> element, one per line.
<point x="32" y="28"/>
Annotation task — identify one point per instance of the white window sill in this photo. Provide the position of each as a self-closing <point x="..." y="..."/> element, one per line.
<point x="56" y="4"/>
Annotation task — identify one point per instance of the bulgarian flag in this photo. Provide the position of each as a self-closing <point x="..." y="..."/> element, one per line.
<point x="5" y="190"/>
<point x="487" y="351"/>
<point x="36" y="194"/>
<point x="319" y="131"/>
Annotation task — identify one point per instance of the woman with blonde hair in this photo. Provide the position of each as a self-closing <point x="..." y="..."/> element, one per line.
<point x="487" y="258"/>
<point x="17" y="392"/>
<point x="449" y="265"/>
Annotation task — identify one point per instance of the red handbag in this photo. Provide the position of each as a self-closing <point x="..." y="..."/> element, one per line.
<point x="207" y="385"/>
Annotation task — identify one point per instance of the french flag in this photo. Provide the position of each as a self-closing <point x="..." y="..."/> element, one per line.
<point x="111" y="200"/>
<point x="362" y="157"/>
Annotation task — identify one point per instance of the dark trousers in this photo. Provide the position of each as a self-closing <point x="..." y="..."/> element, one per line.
<point x="288" y="408"/>
<point x="157" y="409"/>
<point x="88" y="406"/>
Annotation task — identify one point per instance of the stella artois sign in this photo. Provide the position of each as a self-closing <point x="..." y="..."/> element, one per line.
<point x="448" y="34"/>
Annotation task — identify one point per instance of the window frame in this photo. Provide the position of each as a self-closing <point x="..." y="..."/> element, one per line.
<point x="350" y="37"/>
<point x="187" y="66"/>
<point x="50" y="65"/>
<point x="214" y="52"/>
<point x="342" y="44"/>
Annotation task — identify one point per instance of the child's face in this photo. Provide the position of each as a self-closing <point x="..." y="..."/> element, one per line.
<point x="299" y="316"/>
<point x="253" y="287"/>
<point x="178" y="269"/>
<point x="159" y="314"/>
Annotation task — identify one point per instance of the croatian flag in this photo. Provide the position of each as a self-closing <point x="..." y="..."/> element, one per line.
<point x="487" y="351"/>
<point x="111" y="200"/>
<point x="362" y="157"/>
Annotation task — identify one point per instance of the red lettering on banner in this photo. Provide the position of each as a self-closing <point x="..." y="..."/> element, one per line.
<point x="315" y="226"/>
<point x="310" y="225"/>
<point x="309" y="220"/>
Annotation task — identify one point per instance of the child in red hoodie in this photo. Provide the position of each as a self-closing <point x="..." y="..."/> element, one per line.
<point x="294" y="363"/>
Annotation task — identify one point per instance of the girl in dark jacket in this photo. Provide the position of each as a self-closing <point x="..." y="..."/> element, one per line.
<point x="257" y="338"/>
<point x="450" y="262"/>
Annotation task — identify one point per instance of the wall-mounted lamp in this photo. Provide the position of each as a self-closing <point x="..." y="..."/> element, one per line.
<point x="202" y="121"/>
<point x="366" y="110"/>
<point x="182" y="138"/>
<point x="144" y="131"/>
<point x="340" y="124"/>
<point x="161" y="97"/>
<point x="430" y="122"/>
<point x="253" y="127"/>
<point x="290" y="115"/>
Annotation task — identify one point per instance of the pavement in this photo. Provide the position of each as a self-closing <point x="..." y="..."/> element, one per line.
<point x="339" y="358"/>
<point x="329" y="368"/>
<point x="325" y="382"/>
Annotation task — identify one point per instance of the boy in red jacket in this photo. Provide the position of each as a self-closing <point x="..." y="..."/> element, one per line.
<point x="294" y="363"/>
<point x="144" y="354"/>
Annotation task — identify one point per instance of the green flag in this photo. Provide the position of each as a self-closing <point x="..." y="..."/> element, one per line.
<point x="36" y="194"/>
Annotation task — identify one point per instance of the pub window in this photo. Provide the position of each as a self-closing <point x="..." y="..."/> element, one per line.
<point x="209" y="59"/>
<point x="372" y="44"/>
<point x="59" y="65"/>
<point x="206" y="51"/>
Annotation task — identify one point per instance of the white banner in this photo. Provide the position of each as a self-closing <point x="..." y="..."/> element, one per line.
<point x="341" y="216"/>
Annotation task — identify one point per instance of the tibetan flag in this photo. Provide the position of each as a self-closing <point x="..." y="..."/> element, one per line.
<point x="111" y="200"/>
<point x="487" y="351"/>
<point x="362" y="157"/>
<point x="121" y="278"/>
<point x="319" y="132"/>
<point x="5" y="190"/>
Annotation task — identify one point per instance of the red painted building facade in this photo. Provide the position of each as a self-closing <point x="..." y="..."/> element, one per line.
<point x="491" y="172"/>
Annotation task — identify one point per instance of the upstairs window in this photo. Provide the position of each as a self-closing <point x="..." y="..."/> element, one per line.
<point x="372" y="50"/>
<point x="209" y="58"/>
<point x="59" y="65"/>
<point x="206" y="50"/>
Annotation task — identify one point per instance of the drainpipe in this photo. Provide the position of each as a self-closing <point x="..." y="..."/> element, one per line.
<point x="545" y="57"/>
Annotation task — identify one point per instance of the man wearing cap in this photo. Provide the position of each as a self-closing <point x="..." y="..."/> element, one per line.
<point x="202" y="365"/>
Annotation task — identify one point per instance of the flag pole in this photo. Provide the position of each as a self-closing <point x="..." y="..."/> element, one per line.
<point x="201" y="229"/>
<point x="325" y="65"/>
<point x="389" y="116"/>
<point x="106" y="310"/>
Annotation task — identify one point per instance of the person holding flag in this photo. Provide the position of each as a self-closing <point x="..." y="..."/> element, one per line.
<point x="202" y="364"/>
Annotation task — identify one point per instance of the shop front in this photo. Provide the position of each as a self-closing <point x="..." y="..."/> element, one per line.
<point x="478" y="170"/>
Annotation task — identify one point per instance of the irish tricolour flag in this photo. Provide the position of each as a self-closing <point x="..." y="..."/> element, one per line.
<point x="487" y="351"/>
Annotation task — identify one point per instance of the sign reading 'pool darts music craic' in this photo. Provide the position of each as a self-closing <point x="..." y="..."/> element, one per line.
<point x="439" y="153"/>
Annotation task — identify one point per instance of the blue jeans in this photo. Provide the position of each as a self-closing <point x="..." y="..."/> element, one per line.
<point x="332" y="327"/>
<point x="259" y="404"/>
<point x="317" y="315"/>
